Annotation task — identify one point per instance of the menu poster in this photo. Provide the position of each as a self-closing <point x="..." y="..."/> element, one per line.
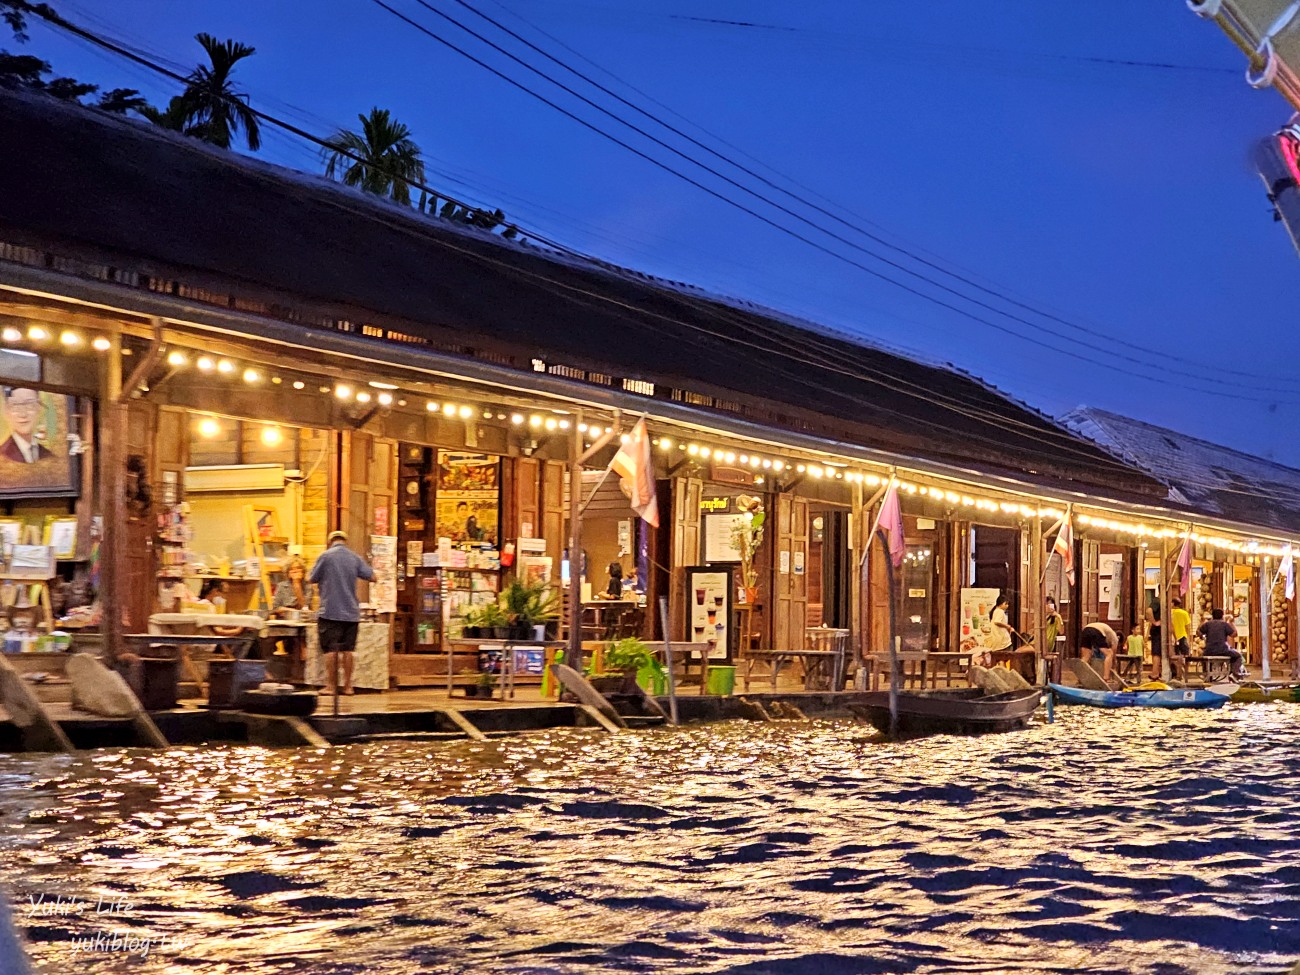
<point x="976" y="618"/>
<point x="718" y="543"/>
<point x="708" y="600"/>
<point x="1241" y="608"/>
<point x="383" y="559"/>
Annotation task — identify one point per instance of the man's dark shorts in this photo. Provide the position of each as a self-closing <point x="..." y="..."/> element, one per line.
<point x="337" y="636"/>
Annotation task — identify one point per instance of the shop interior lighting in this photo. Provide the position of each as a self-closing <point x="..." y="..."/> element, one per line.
<point x="299" y="384"/>
<point x="564" y="424"/>
<point x="252" y="376"/>
<point x="582" y="428"/>
<point x="385" y="398"/>
<point x="225" y="366"/>
<point x="535" y="421"/>
<point x="551" y="423"/>
<point x="11" y="334"/>
<point x="271" y="436"/>
<point x="466" y="412"/>
<point x="518" y="418"/>
<point x="176" y="359"/>
<point x="448" y="409"/>
<point x="101" y="344"/>
<point x="209" y="427"/>
<point x="69" y="338"/>
<point x="276" y="380"/>
<point x="665" y="443"/>
<point x="431" y="406"/>
<point x="342" y="391"/>
<point x="363" y="397"/>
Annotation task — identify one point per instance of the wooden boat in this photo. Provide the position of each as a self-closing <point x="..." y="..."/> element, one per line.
<point x="1179" y="697"/>
<point x="1255" y="692"/>
<point x="960" y="711"/>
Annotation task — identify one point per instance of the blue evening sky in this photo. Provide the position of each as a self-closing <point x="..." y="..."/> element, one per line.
<point x="999" y="139"/>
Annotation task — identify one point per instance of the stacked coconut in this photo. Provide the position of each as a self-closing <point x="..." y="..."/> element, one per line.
<point x="1279" y="613"/>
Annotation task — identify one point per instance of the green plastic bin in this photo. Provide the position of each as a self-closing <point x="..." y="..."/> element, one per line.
<point x="720" y="680"/>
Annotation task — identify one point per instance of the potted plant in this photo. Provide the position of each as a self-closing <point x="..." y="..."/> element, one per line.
<point x="486" y="682"/>
<point x="472" y="629"/>
<point x="527" y="605"/>
<point x="625" y="661"/>
<point x="493" y="619"/>
<point x="746" y="537"/>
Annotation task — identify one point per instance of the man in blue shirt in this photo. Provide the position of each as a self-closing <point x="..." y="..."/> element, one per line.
<point x="336" y="573"/>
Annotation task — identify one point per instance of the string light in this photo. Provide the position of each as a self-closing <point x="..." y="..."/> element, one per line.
<point x="343" y="391"/>
<point x="11" y="334"/>
<point x="363" y="397"/>
<point x="70" y="339"/>
<point x="101" y="344"/>
<point x="225" y="366"/>
<point x="209" y="428"/>
<point x="385" y="399"/>
<point x="205" y="364"/>
<point x="251" y="376"/>
<point x="271" y="436"/>
<point x="38" y="333"/>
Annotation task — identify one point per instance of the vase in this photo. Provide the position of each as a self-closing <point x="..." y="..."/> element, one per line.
<point x="751" y="595"/>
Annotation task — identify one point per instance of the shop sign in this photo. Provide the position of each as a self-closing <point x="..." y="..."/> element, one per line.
<point x="715" y="504"/>
<point x="731" y="475"/>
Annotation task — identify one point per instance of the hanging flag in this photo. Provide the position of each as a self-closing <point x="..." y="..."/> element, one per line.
<point x="891" y="523"/>
<point x="633" y="466"/>
<point x="1064" y="547"/>
<point x="1288" y="572"/>
<point x="1184" y="564"/>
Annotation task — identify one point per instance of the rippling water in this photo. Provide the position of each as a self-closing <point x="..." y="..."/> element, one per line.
<point x="1156" y="843"/>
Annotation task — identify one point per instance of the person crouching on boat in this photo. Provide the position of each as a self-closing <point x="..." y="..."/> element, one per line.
<point x="1099" y="642"/>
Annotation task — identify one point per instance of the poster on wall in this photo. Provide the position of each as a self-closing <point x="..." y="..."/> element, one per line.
<point x="708" y="599"/>
<point x="383" y="559"/>
<point x="468" y="497"/>
<point x="35" y="458"/>
<point x="1241" y="607"/>
<point x="976" y="619"/>
<point x="718" y="543"/>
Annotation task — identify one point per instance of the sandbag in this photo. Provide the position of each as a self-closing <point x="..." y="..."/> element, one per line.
<point x="99" y="690"/>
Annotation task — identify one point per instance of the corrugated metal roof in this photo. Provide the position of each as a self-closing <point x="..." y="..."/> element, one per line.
<point x="202" y="219"/>
<point x="1203" y="478"/>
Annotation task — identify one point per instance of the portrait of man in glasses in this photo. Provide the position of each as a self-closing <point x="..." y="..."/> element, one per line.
<point x="22" y="412"/>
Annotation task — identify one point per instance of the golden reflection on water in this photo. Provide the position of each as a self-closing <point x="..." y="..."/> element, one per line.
<point x="1109" y="842"/>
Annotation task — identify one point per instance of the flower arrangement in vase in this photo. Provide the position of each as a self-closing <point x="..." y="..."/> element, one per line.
<point x="746" y="537"/>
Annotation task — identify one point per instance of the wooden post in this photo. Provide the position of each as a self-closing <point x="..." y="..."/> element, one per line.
<point x="111" y="459"/>
<point x="668" y="661"/>
<point x="574" y="658"/>
<point x="856" y="630"/>
<point x="1038" y="589"/>
<point x="1266" y="617"/>
<point x="1166" y="606"/>
<point x="893" y="686"/>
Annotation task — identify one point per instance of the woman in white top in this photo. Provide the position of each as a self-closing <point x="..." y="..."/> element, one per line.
<point x="1000" y="638"/>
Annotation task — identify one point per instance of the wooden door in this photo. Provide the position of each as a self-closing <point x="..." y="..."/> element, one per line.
<point x="1088" y="591"/>
<point x="139" y="584"/>
<point x="523" y="498"/>
<point x="686" y="495"/>
<point x="369" y="490"/>
<point x="790" y="575"/>
<point x="553" y="510"/>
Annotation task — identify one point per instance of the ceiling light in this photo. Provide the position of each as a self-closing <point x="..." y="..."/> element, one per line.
<point x="271" y="436"/>
<point x="226" y="366"/>
<point x="70" y="338"/>
<point x="205" y="364"/>
<point x="101" y="344"/>
<point x="176" y="359"/>
<point x="208" y="427"/>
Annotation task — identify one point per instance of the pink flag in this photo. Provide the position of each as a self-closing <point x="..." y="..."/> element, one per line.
<point x="891" y="523"/>
<point x="633" y="466"/>
<point x="1184" y="564"/>
<point x="1064" y="547"/>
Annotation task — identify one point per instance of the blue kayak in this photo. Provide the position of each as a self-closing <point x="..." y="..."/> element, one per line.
<point x="1184" y="697"/>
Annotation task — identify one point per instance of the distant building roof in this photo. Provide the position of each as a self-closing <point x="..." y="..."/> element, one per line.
<point x="180" y="217"/>
<point x="1202" y="477"/>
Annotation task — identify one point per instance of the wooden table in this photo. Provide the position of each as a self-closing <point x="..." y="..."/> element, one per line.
<point x="602" y="609"/>
<point x="179" y="644"/>
<point x="954" y="664"/>
<point x="815" y="663"/>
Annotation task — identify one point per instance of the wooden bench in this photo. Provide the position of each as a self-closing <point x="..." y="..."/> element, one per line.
<point x="1212" y="668"/>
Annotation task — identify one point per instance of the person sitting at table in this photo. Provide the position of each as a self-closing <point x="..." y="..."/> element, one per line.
<point x="615" y="588"/>
<point x="1220" y="635"/>
<point x="214" y="591"/>
<point x="293" y="592"/>
<point x="1098" y="641"/>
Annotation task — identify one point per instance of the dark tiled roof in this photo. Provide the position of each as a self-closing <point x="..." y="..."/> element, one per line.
<point x="166" y="206"/>
<point x="1202" y="477"/>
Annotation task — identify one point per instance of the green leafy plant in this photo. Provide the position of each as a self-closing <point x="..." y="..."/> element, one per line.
<point x="529" y="603"/>
<point x="629" y="654"/>
<point x="492" y="615"/>
<point x="746" y="537"/>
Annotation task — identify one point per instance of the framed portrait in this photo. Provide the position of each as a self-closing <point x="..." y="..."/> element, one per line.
<point x="34" y="457"/>
<point x="61" y="535"/>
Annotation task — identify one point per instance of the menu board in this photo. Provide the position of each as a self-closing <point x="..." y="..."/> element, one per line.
<point x="708" y="599"/>
<point x="383" y="559"/>
<point x="976" y="623"/>
<point x="718" y="544"/>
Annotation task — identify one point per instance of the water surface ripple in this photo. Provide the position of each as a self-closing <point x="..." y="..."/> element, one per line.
<point x="1159" y="843"/>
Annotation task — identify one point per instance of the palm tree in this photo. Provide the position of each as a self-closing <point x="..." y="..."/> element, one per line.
<point x="380" y="159"/>
<point x="212" y="108"/>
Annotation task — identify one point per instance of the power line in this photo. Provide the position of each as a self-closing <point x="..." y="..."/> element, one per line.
<point x="1164" y="355"/>
<point x="1071" y="352"/>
